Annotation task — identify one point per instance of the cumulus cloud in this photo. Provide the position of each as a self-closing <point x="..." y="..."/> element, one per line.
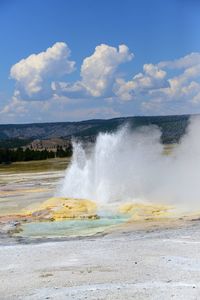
<point x="98" y="72"/>
<point x="164" y="85"/>
<point x="151" y="78"/>
<point x="35" y="73"/>
<point x="184" y="86"/>
<point x="155" y="89"/>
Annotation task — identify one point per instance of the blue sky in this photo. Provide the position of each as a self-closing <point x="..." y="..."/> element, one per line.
<point x="61" y="60"/>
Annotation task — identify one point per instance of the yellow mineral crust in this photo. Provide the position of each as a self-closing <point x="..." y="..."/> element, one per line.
<point x="141" y="211"/>
<point x="59" y="208"/>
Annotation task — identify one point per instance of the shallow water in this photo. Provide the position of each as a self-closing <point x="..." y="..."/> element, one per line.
<point x="68" y="228"/>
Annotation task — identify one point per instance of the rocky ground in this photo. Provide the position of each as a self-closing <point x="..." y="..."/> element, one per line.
<point x="151" y="260"/>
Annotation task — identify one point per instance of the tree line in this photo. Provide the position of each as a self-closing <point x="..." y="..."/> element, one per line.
<point x="19" y="154"/>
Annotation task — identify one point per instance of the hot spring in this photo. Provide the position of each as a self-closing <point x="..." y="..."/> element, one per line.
<point x="127" y="174"/>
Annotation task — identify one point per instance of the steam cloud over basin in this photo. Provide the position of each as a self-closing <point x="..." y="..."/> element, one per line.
<point x="129" y="166"/>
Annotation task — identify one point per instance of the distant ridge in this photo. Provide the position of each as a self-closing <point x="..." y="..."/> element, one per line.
<point x="172" y="127"/>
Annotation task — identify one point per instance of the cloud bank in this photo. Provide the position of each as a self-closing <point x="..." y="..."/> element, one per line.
<point x="160" y="88"/>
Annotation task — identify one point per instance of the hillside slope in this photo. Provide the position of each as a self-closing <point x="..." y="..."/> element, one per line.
<point x="172" y="127"/>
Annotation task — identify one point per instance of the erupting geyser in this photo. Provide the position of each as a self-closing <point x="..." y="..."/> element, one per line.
<point x="129" y="166"/>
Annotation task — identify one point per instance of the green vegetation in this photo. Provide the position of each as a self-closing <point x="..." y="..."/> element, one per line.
<point x="11" y="155"/>
<point x="14" y="143"/>
<point x="63" y="153"/>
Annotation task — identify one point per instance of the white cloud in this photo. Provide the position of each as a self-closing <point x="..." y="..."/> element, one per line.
<point x="184" y="62"/>
<point x="159" y="90"/>
<point x="59" y="109"/>
<point x="183" y="87"/>
<point x="151" y="78"/>
<point x="15" y="107"/>
<point x="37" y="77"/>
<point x="35" y="73"/>
<point x="98" y="72"/>
<point x="162" y="87"/>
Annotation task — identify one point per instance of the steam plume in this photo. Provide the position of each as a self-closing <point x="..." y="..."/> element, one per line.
<point x="130" y="166"/>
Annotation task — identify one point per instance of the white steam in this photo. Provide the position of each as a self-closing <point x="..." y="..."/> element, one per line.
<point x="130" y="166"/>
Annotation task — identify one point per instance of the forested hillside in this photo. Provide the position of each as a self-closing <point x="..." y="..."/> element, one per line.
<point x="172" y="127"/>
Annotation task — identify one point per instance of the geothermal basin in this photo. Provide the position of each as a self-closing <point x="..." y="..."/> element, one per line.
<point x="111" y="224"/>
